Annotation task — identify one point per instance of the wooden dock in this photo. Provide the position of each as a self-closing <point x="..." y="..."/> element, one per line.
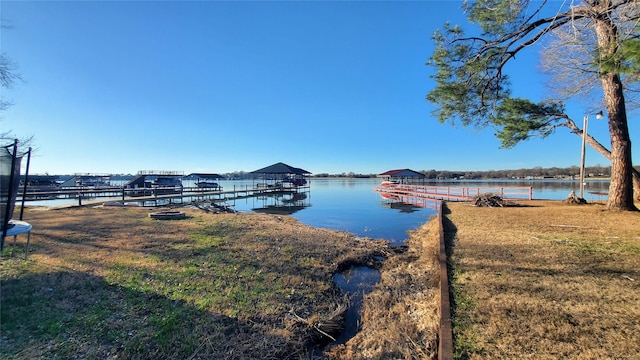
<point x="156" y="196"/>
<point x="413" y="193"/>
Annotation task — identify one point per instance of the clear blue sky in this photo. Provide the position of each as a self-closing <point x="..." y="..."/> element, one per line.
<point x="222" y="86"/>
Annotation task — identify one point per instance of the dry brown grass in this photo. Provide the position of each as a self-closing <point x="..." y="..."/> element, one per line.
<point x="113" y="283"/>
<point x="545" y="280"/>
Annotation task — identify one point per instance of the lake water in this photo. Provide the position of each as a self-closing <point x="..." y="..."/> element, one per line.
<point x="352" y="205"/>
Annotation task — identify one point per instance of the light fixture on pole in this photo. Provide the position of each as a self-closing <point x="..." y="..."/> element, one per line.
<point x="599" y="115"/>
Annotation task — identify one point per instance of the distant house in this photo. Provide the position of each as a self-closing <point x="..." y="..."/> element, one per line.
<point x="403" y="176"/>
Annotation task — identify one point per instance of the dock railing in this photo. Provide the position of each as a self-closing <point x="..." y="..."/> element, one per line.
<point x="153" y="195"/>
<point x="458" y="193"/>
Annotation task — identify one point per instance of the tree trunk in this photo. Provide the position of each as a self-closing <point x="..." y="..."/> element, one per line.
<point x="636" y="184"/>
<point x="621" y="185"/>
<point x="597" y="146"/>
<point x="635" y="174"/>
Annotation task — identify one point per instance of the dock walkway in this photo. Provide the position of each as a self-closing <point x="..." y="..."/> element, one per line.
<point x="411" y="192"/>
<point x="156" y="196"/>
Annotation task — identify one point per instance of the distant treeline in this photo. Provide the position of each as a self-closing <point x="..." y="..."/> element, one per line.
<point x="536" y="172"/>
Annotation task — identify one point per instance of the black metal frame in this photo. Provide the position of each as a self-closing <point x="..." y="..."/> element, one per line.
<point x="11" y="200"/>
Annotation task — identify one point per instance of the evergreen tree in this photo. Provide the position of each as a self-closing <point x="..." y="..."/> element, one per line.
<point x="472" y="87"/>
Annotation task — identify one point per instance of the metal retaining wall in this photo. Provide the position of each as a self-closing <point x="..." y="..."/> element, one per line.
<point x="445" y="341"/>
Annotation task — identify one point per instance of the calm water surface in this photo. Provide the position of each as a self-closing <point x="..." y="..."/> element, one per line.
<point x="353" y="206"/>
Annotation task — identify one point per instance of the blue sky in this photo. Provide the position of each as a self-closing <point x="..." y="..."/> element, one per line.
<point x="222" y="86"/>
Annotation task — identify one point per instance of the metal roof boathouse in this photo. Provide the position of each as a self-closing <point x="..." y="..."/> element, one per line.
<point x="403" y="176"/>
<point x="283" y="175"/>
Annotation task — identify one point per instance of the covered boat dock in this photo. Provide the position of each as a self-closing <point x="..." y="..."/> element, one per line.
<point x="290" y="185"/>
<point x="403" y="176"/>
<point x="206" y="180"/>
<point x="281" y="175"/>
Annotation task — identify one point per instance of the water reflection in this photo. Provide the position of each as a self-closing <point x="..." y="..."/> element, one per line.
<point x="400" y="206"/>
<point x="353" y="206"/>
<point x="285" y="203"/>
<point x="278" y="210"/>
<point x="356" y="281"/>
<point x="407" y="203"/>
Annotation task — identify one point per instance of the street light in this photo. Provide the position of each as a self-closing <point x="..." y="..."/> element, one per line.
<point x="599" y="115"/>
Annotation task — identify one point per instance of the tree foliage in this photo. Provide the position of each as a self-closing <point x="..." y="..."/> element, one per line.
<point x="8" y="77"/>
<point x="473" y="88"/>
<point x="574" y="64"/>
<point x="627" y="59"/>
<point x="8" y="74"/>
